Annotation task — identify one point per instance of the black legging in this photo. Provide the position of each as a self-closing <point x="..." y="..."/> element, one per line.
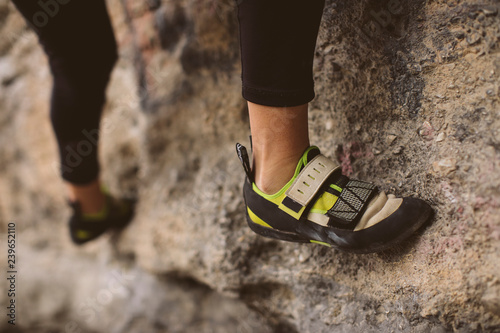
<point x="79" y="42"/>
<point x="278" y="38"/>
<point x="277" y="47"/>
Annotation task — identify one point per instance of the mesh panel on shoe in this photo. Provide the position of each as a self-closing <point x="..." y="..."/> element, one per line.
<point x="352" y="201"/>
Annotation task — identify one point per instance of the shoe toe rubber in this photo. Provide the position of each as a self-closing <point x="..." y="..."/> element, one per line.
<point x="408" y="218"/>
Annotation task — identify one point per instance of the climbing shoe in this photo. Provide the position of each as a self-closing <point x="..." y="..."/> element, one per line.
<point x="320" y="205"/>
<point x="116" y="214"/>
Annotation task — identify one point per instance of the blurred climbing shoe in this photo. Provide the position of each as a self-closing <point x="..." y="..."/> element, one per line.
<point x="116" y="214"/>
<point x="320" y="205"/>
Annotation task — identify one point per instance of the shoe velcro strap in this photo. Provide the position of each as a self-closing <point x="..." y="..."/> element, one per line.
<point x="351" y="204"/>
<point x="308" y="183"/>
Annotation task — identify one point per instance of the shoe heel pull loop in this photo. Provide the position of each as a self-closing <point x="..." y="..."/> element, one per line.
<point x="243" y="156"/>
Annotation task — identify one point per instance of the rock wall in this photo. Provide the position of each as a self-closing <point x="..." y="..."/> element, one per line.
<point x="407" y="97"/>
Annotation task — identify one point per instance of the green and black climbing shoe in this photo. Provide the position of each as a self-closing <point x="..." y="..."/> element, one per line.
<point x="320" y="205"/>
<point x="116" y="214"/>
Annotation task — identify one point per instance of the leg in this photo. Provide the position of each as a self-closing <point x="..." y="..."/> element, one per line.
<point x="293" y="192"/>
<point x="277" y="55"/>
<point x="78" y="40"/>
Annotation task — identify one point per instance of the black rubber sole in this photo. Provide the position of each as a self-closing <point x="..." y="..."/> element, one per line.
<point x="310" y="231"/>
<point x="276" y="234"/>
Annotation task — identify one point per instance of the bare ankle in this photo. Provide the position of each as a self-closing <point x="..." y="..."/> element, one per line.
<point x="280" y="136"/>
<point x="272" y="174"/>
<point x="90" y="197"/>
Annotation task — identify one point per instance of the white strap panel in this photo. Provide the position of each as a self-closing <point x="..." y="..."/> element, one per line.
<point x="310" y="179"/>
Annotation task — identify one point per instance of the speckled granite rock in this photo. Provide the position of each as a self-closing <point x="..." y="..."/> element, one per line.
<point x="407" y="97"/>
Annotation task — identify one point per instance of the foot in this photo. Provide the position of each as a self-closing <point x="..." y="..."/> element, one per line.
<point x="116" y="214"/>
<point x="320" y="205"/>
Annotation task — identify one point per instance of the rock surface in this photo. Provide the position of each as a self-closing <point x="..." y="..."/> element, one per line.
<point x="391" y="77"/>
